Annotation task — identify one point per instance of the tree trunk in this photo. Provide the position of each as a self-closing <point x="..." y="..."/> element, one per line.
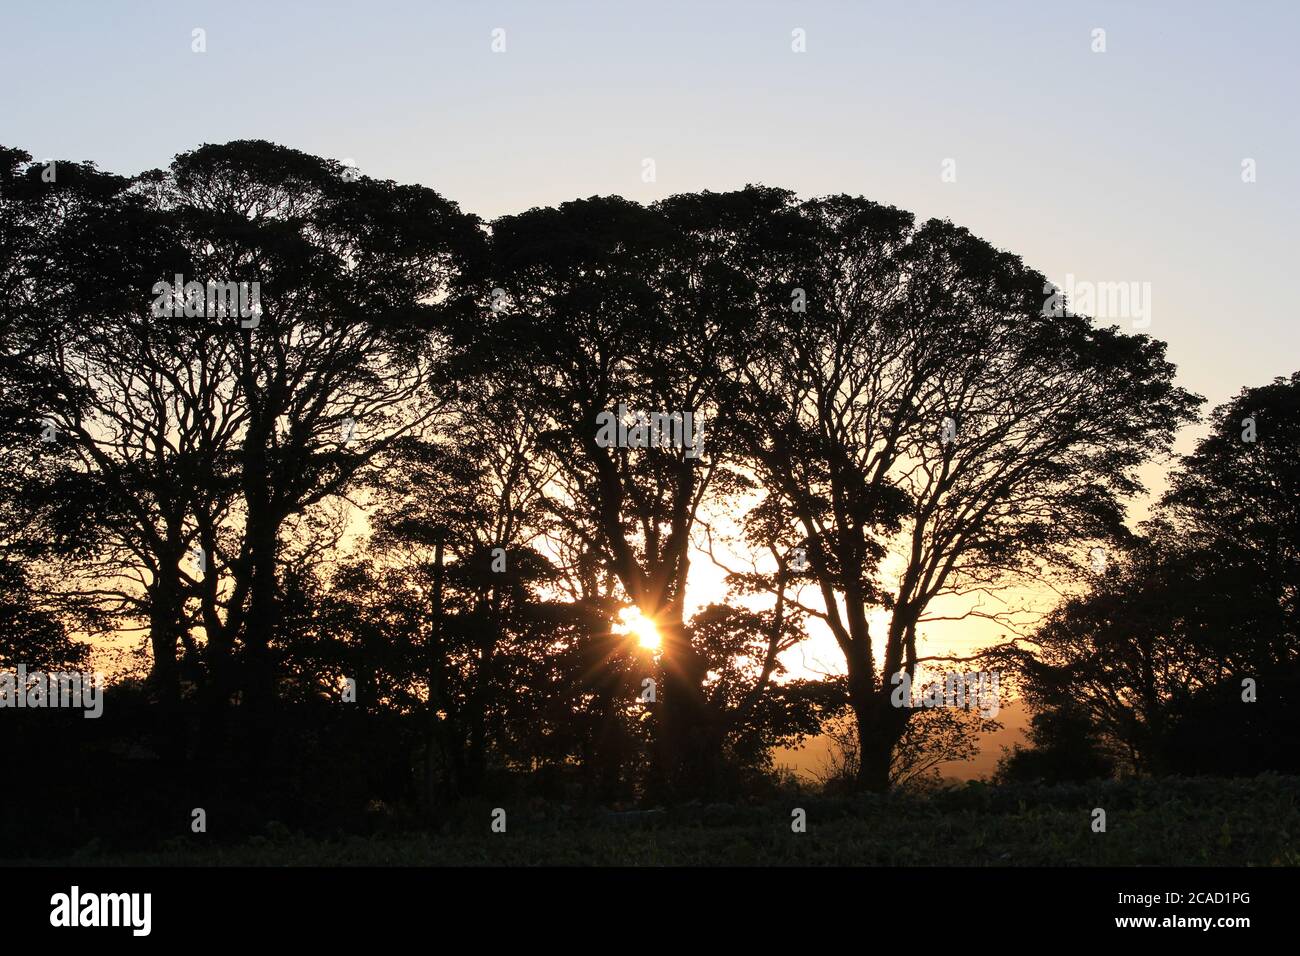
<point x="165" y="607"/>
<point x="215" y="700"/>
<point x="879" y="728"/>
<point x="434" y="663"/>
<point x="875" y="756"/>
<point x="686" y="758"/>
<point x="263" y="616"/>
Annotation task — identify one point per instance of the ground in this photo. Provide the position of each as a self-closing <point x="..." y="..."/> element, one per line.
<point x="1148" y="822"/>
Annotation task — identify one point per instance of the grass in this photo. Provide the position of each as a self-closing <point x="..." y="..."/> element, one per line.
<point x="1148" y="823"/>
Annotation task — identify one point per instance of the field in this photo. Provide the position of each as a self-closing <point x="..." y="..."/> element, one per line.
<point x="1196" y="821"/>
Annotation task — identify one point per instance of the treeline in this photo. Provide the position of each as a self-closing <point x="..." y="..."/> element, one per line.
<point x="1182" y="656"/>
<point x="340" y="453"/>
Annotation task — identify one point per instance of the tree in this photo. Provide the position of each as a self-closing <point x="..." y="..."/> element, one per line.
<point x="353" y="276"/>
<point x="1066" y="748"/>
<point x="1158" y="652"/>
<point x="611" y="309"/>
<point x="98" y="483"/>
<point x="199" y="429"/>
<point x="30" y="634"/>
<point x="915" y="400"/>
<point x="751" y="709"/>
<point x="1234" y="507"/>
<point x="473" y="493"/>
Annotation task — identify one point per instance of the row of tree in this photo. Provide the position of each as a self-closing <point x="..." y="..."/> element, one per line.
<point x="390" y="473"/>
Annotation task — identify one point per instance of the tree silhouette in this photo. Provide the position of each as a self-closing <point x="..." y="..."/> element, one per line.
<point x="921" y="403"/>
<point x="612" y="306"/>
<point x="366" y="443"/>
<point x="1203" y="602"/>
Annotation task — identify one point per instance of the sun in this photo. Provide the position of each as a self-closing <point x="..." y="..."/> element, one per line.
<point x="635" y="624"/>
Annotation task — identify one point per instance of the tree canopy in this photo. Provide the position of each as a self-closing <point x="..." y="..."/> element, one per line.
<point x="349" y="459"/>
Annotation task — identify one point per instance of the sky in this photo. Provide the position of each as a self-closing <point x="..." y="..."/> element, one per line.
<point x="1117" y="166"/>
<point x="1162" y="154"/>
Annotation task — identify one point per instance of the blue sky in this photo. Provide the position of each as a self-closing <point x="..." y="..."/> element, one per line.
<point x="1116" y="166"/>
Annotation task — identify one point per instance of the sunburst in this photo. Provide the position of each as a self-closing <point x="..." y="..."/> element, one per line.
<point x="635" y="624"/>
